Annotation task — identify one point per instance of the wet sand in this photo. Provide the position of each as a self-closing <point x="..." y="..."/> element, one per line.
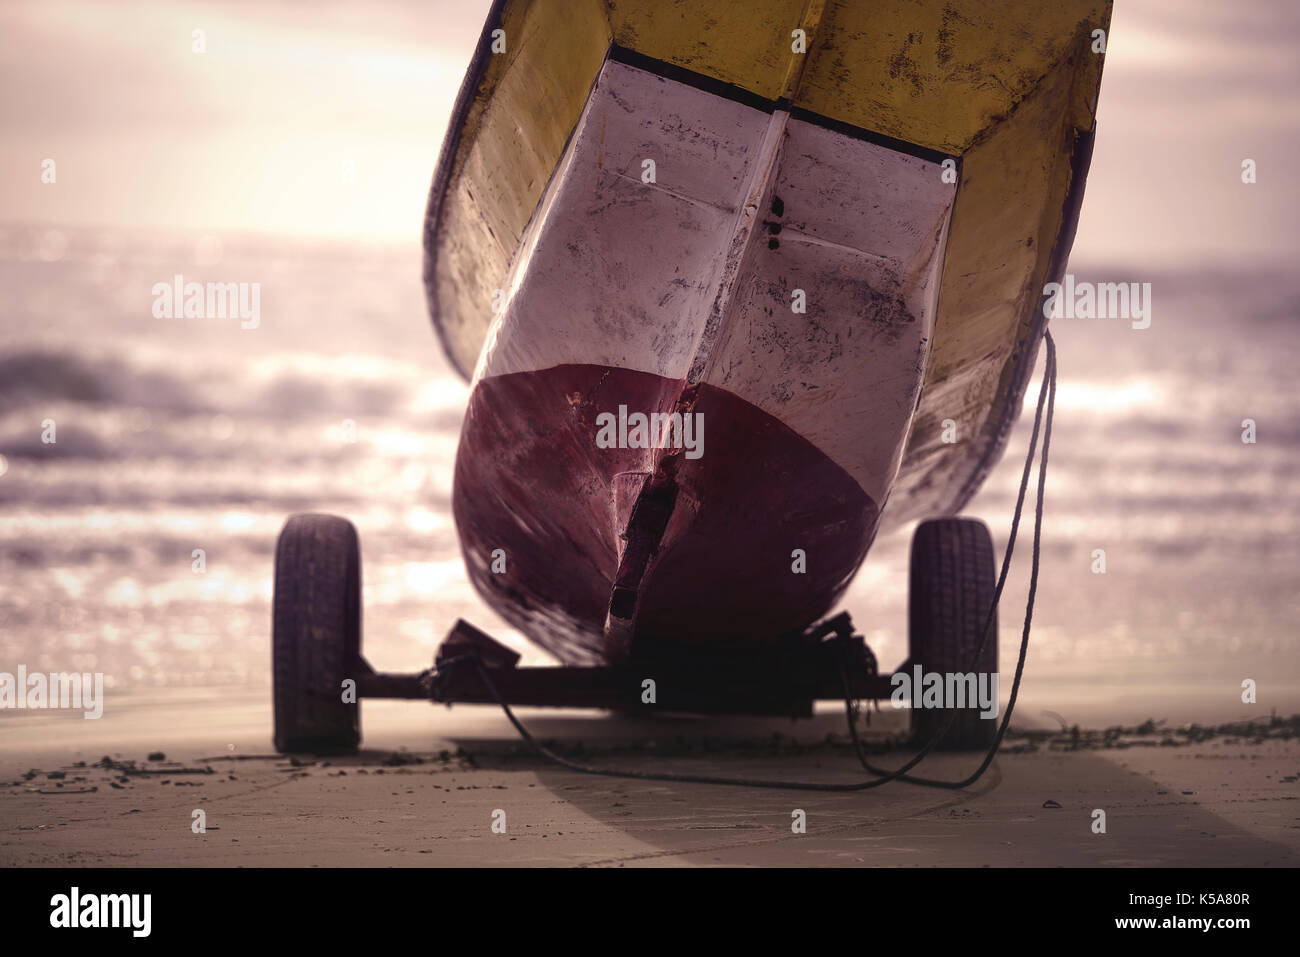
<point x="425" y="789"/>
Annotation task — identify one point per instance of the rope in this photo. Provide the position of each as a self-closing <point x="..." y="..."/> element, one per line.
<point x="1048" y="390"/>
<point x="1046" y="399"/>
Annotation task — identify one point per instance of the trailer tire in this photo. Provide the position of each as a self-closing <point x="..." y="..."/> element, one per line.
<point x="952" y="581"/>
<point x="316" y="634"/>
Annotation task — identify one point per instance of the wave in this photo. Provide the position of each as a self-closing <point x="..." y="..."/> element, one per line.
<point x="40" y="377"/>
<point x="293" y="387"/>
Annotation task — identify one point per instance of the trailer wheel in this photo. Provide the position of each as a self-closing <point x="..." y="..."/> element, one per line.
<point x="316" y="634"/>
<point x="953" y="576"/>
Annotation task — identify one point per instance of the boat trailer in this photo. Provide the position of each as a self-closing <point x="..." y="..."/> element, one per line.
<point x="320" y="675"/>
<point x="826" y="662"/>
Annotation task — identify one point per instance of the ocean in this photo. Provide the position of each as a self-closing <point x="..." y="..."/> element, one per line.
<point x="139" y="542"/>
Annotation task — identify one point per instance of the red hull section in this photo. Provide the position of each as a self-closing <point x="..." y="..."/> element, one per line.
<point x="532" y="482"/>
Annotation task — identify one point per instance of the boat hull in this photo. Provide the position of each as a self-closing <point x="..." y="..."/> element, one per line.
<point x="765" y="533"/>
<point x="832" y="251"/>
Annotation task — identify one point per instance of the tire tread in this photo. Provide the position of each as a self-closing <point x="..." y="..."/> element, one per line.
<point x="316" y="633"/>
<point x="953" y="577"/>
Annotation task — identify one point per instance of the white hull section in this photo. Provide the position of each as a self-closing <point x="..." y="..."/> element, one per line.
<point x="699" y="275"/>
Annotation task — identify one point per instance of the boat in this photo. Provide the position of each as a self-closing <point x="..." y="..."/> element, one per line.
<point x="735" y="286"/>
<point x="821" y="228"/>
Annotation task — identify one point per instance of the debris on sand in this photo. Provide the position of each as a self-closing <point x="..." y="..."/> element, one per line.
<point x="133" y="770"/>
<point x="403" y="757"/>
<point x="1153" y="734"/>
<point x="241" y="757"/>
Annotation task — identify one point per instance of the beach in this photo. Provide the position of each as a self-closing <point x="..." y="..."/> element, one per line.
<point x="429" y="783"/>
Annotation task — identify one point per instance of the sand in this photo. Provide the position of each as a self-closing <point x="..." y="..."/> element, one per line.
<point x="429" y="783"/>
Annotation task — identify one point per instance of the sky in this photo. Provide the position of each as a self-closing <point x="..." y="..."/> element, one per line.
<point x="324" y="120"/>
